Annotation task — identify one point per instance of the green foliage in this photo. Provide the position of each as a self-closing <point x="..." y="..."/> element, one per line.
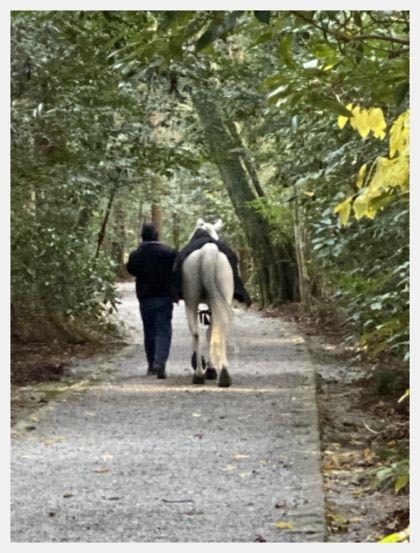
<point x="395" y="475"/>
<point x="126" y="125"/>
<point x="60" y="178"/>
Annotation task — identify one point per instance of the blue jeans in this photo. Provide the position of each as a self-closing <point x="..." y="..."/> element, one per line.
<point x="156" y="314"/>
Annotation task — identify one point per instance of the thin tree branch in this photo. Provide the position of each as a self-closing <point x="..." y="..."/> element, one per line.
<point x="355" y="38"/>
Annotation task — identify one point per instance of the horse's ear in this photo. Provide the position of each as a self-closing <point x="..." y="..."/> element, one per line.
<point x="200" y="222"/>
<point x="218" y="224"/>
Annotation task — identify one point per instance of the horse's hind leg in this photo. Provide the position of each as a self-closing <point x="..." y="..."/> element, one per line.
<point x="224" y="279"/>
<point x="211" y="372"/>
<point x="198" y="377"/>
<point x="225" y="379"/>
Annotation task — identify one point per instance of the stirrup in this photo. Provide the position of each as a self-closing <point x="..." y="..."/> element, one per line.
<point x="204" y="316"/>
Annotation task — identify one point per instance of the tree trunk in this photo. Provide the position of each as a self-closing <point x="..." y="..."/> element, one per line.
<point x="273" y="264"/>
<point x="156" y="210"/>
<point x="101" y="234"/>
<point x="246" y="158"/>
<point x="243" y="259"/>
<point x="157" y="216"/>
<point x="118" y="238"/>
<point x="176" y="231"/>
<point x="300" y="244"/>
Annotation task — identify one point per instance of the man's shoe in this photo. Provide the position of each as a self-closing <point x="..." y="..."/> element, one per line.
<point x="160" y="370"/>
<point x="151" y="371"/>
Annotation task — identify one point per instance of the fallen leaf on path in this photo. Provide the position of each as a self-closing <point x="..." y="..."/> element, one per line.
<point x="107" y="456"/>
<point x="67" y="494"/>
<point x="229" y="467"/>
<point x="244" y="474"/>
<point x="369" y="454"/>
<point x="241" y="456"/>
<point x="52" y="441"/>
<point x="196" y="415"/>
<point x="285" y="525"/>
<point x="338" y="523"/>
<point x="102" y="470"/>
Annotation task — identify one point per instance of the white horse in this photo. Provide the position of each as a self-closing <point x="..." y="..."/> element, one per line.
<point x="207" y="277"/>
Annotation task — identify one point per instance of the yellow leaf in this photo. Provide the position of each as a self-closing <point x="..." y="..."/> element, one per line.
<point x="399" y="135"/>
<point x="361" y="176"/>
<point x="344" y="209"/>
<point x="342" y="119"/>
<point x="282" y="524"/>
<point x="361" y="122"/>
<point x="397" y="537"/>
<point x="360" y="206"/>
<point x="376" y="122"/>
<point x="355" y="111"/>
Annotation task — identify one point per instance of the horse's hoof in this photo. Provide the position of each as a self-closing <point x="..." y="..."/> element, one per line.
<point x="224" y="379"/>
<point x="211" y="373"/>
<point x="198" y="379"/>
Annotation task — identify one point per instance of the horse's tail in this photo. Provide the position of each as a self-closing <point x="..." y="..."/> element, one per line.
<point x="217" y="279"/>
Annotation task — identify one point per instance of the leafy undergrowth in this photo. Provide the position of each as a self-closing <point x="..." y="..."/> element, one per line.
<point x="364" y="435"/>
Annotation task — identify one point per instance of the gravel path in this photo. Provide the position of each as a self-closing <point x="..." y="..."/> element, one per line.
<point x="121" y="457"/>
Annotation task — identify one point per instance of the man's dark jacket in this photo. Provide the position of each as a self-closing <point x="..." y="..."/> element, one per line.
<point x="152" y="265"/>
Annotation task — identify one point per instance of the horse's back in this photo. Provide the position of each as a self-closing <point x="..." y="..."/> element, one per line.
<point x="207" y="274"/>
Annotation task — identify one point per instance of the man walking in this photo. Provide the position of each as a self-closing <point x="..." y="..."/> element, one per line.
<point x="151" y="263"/>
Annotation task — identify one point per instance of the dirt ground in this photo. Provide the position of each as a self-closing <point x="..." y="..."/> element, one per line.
<point x="362" y="425"/>
<point x="363" y="430"/>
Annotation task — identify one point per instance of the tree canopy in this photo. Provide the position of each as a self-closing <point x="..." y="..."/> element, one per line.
<point x="293" y="126"/>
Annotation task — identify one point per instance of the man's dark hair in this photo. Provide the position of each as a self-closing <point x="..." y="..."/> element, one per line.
<point x="149" y="232"/>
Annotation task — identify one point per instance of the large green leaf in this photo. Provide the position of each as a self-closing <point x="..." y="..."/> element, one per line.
<point x="219" y="27"/>
<point x="262" y="16"/>
<point x="329" y="104"/>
